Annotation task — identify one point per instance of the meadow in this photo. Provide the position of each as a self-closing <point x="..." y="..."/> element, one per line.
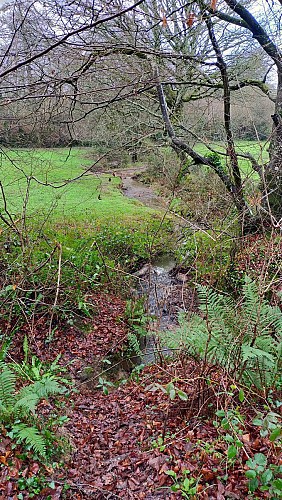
<point x="41" y="182"/>
<point x="46" y="191"/>
<point x="51" y="202"/>
<point x="259" y="150"/>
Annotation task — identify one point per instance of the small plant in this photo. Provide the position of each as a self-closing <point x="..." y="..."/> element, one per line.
<point x="232" y="422"/>
<point x="159" y="443"/>
<point x="264" y="476"/>
<point x="137" y="320"/>
<point x="270" y="425"/>
<point x="33" y="485"/>
<point x="37" y="370"/>
<point x="104" y="385"/>
<point x="184" y="483"/>
<point x="18" y="408"/>
<point x="84" y="307"/>
<point x="135" y="374"/>
<point x="244" y="338"/>
<point x="170" y="390"/>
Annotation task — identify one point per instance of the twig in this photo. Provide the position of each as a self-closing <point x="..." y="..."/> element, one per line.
<point x="59" y="246"/>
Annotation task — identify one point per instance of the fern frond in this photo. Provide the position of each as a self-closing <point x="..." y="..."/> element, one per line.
<point x="244" y="338"/>
<point x="32" y="437"/>
<point x="26" y="402"/>
<point x="133" y="344"/>
<point x="252" y="300"/>
<point x="47" y="387"/>
<point x="218" y="309"/>
<point x="32" y="393"/>
<point x="252" y="353"/>
<point x="7" y="385"/>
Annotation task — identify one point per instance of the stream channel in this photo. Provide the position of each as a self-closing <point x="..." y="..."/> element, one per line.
<point x="165" y="293"/>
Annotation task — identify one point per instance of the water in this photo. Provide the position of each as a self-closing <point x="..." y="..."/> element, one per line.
<point x="161" y="292"/>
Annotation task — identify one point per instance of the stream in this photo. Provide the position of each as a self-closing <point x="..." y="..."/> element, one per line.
<point x="165" y="292"/>
<point x="136" y="190"/>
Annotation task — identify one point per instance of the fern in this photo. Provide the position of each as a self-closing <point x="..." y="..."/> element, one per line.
<point x="7" y="385"/>
<point x="31" y="436"/>
<point x="18" y="408"/>
<point x="24" y="401"/>
<point x="47" y="387"/>
<point x="133" y="344"/>
<point x="244" y="338"/>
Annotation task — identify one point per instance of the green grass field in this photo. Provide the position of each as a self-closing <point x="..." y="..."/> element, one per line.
<point x="84" y="200"/>
<point x="89" y="217"/>
<point x="87" y="199"/>
<point x="256" y="149"/>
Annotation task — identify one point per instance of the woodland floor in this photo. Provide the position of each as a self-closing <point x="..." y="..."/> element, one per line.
<point x="122" y="444"/>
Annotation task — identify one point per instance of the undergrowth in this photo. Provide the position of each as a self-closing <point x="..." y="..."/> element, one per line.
<point x="243" y="337"/>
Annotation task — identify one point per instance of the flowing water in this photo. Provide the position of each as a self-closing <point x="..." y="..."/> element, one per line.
<point x="157" y="287"/>
<point x="163" y="292"/>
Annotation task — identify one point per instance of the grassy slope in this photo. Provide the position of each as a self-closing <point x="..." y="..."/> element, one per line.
<point x="85" y="213"/>
<point x="77" y="201"/>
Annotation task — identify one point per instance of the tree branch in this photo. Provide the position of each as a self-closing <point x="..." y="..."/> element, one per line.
<point x="227" y="110"/>
<point x="67" y="36"/>
<point x="257" y="30"/>
<point x="182" y="146"/>
<point x="227" y="18"/>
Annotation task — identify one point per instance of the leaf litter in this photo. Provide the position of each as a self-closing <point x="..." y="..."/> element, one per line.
<point x="123" y="444"/>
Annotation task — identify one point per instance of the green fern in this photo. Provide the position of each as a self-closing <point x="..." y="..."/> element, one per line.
<point x="30" y="436"/>
<point x="7" y="385"/>
<point x="133" y="344"/>
<point x="24" y="401"/>
<point x="244" y="337"/>
<point x="18" y="407"/>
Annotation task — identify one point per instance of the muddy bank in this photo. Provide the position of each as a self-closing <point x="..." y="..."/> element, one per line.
<point x="134" y="189"/>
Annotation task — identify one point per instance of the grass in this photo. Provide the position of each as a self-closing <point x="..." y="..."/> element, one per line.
<point x="90" y="198"/>
<point x="84" y="200"/>
<point x="89" y="217"/>
<point x="257" y="149"/>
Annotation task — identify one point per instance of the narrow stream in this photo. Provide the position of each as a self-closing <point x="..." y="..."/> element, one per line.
<point x="164" y="293"/>
<point x="136" y="190"/>
<point x="157" y="287"/>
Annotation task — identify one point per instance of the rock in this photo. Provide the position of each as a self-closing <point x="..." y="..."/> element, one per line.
<point x="144" y="270"/>
<point x="182" y="277"/>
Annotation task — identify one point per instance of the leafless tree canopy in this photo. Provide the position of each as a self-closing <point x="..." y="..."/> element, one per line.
<point x="116" y="72"/>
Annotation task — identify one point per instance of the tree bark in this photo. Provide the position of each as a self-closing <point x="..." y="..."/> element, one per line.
<point x="272" y="177"/>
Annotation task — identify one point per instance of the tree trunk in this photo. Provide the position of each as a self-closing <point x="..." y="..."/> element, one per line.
<point x="272" y="181"/>
<point x="273" y="171"/>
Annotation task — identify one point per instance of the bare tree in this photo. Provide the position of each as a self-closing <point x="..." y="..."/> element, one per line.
<point x="71" y="62"/>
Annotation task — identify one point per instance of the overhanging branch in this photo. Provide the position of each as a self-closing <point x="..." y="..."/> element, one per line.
<point x="62" y="40"/>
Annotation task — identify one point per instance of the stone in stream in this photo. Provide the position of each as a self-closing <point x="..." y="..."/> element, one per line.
<point x="143" y="271"/>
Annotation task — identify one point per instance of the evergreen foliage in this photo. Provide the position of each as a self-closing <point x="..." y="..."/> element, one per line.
<point x="18" y="407"/>
<point x="244" y="338"/>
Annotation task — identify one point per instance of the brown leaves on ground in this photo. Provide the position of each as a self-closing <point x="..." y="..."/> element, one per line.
<point x="123" y="444"/>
